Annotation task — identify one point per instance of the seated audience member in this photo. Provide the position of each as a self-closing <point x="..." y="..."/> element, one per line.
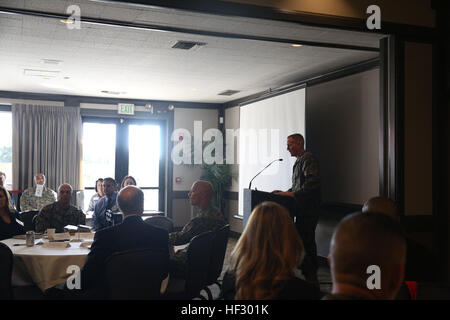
<point x="420" y="261"/>
<point x="61" y="213"/>
<point x="107" y="202"/>
<point x="367" y="258"/>
<point x="9" y="225"/>
<point x="265" y="257"/>
<point x="37" y="197"/>
<point x="2" y="184"/>
<point x="128" y="181"/>
<point x="98" y="194"/>
<point x="208" y="219"/>
<point x="133" y="233"/>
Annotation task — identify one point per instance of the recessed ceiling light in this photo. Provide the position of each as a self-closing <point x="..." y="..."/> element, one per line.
<point x="40" y="73"/>
<point x="296" y="45"/>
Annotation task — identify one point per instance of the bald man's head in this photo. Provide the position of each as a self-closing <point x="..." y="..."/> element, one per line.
<point x="64" y="194"/>
<point x="381" y="205"/>
<point x="365" y="239"/>
<point x="131" y="200"/>
<point x="201" y="193"/>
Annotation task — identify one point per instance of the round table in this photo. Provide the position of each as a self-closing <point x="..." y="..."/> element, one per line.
<point x="46" y="266"/>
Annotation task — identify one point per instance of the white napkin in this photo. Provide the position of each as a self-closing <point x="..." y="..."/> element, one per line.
<point x="56" y="245"/>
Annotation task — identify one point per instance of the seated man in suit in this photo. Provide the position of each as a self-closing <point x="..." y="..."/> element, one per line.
<point x="61" y="213"/>
<point x="420" y="261"/>
<point x="132" y="233"/>
<point x="37" y="197"/>
<point x="367" y="258"/>
<point x="208" y="219"/>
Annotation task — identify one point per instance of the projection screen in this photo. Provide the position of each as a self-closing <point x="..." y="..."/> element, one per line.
<point x="264" y="127"/>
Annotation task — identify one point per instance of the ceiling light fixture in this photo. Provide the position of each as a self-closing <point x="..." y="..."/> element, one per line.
<point x="51" y="61"/>
<point x="171" y="107"/>
<point x="296" y="45"/>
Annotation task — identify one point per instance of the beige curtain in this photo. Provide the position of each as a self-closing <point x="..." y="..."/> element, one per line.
<point x="46" y="139"/>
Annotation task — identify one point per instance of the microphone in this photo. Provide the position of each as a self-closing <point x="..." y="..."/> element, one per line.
<point x="78" y="229"/>
<point x="250" y="184"/>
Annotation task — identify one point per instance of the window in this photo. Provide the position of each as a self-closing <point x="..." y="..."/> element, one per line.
<point x="143" y="163"/>
<point x="6" y="147"/>
<point x="120" y="147"/>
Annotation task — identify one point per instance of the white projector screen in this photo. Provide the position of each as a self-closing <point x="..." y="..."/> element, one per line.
<point x="263" y="131"/>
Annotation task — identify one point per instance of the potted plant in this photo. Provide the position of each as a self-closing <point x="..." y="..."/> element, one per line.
<point x="220" y="177"/>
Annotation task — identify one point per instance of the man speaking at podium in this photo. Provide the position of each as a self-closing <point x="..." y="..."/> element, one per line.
<point x="307" y="194"/>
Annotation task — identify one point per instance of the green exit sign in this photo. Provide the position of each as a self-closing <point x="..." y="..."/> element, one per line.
<point x="125" y="108"/>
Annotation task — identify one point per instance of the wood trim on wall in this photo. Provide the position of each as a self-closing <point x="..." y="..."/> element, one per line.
<point x="383" y="141"/>
<point x="234" y="8"/>
<point x="310" y="81"/>
<point x="395" y="121"/>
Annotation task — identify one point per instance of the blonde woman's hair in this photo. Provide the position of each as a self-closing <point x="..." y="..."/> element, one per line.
<point x="266" y="254"/>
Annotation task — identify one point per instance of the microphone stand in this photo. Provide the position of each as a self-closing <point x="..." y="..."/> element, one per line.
<point x="250" y="184"/>
<point x="78" y="229"/>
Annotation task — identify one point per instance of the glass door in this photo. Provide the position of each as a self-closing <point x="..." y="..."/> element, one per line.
<point x="121" y="147"/>
<point x="99" y="156"/>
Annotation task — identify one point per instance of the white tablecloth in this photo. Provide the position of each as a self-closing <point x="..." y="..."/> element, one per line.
<point x="45" y="267"/>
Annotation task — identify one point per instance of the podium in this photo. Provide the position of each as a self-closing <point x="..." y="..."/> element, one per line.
<point x="254" y="197"/>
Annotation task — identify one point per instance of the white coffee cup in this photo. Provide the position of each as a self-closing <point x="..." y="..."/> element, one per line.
<point x="51" y="233"/>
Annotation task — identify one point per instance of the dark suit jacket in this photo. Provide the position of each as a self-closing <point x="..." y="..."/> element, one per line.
<point x="133" y="233"/>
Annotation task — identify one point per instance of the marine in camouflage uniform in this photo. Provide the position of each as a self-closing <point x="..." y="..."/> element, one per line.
<point x="307" y="194"/>
<point x="54" y="216"/>
<point x="208" y="219"/>
<point x="29" y="201"/>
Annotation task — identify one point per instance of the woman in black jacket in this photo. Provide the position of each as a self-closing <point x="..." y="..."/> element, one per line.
<point x="9" y="226"/>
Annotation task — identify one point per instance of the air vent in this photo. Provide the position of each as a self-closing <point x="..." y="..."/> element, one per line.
<point x="186" y="45"/>
<point x="40" y="73"/>
<point x="228" y="93"/>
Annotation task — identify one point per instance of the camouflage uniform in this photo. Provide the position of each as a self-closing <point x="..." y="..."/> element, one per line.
<point x="307" y="193"/>
<point x="209" y="219"/>
<point x="52" y="216"/>
<point x="28" y="200"/>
